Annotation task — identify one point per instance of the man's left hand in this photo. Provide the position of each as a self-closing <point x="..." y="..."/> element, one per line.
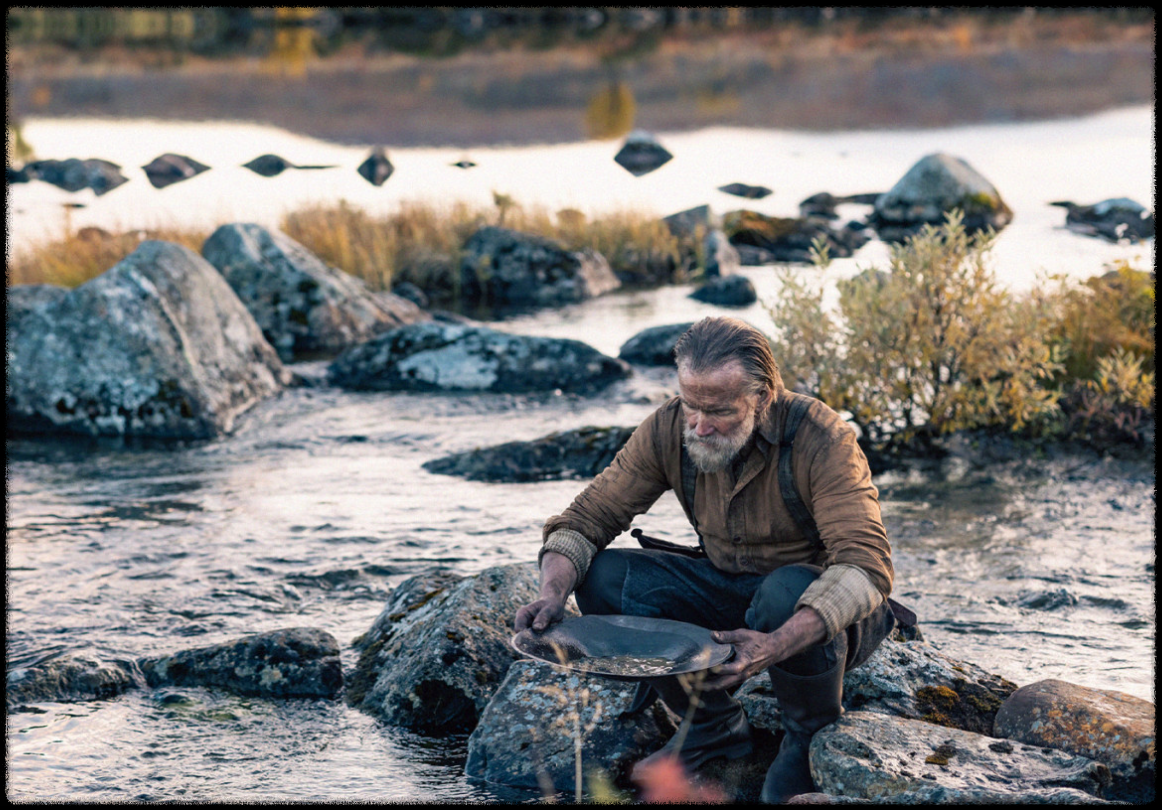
<point x="755" y="651"/>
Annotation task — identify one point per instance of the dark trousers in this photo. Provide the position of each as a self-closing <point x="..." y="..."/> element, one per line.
<point x="663" y="585"/>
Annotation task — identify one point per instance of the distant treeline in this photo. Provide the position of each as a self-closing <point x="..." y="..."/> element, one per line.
<point x="440" y="31"/>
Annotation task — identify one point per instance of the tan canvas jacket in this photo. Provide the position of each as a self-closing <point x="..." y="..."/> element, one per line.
<point x="744" y="523"/>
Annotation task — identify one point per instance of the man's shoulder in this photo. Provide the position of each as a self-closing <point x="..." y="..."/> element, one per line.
<point x="819" y="417"/>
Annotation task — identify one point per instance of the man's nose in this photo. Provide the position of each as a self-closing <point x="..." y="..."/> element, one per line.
<point x="702" y="426"/>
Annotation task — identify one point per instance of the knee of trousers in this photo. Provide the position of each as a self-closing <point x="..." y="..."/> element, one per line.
<point x="600" y="593"/>
<point x="774" y="601"/>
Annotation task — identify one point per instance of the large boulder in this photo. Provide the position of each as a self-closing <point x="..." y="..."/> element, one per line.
<point x="506" y="268"/>
<point x="69" y="678"/>
<point x="908" y="679"/>
<point x="304" y="306"/>
<point x="935" y="186"/>
<point x="873" y="756"/>
<point x="437" y="356"/>
<point x="440" y="648"/>
<point x="297" y="662"/>
<point x="528" y="730"/>
<point x="158" y="346"/>
<point x="580" y="453"/>
<point x="653" y="346"/>
<point x="1111" y="727"/>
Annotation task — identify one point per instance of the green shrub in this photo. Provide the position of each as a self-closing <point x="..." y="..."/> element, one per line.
<point x="931" y="346"/>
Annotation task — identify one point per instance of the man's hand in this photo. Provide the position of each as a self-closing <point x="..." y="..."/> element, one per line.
<point x="558" y="576"/>
<point x="755" y="651"/>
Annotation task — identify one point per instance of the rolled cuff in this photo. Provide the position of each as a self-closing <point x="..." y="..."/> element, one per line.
<point x="842" y="596"/>
<point x="574" y="546"/>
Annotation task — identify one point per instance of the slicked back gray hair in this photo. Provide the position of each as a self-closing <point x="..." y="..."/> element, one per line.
<point x="713" y="342"/>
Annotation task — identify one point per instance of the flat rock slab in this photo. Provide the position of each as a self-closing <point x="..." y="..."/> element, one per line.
<point x="872" y="756"/>
<point x="158" y="346"/>
<point x="527" y="732"/>
<point x="1112" y="727"/>
<point x="437" y="356"/>
<point x="297" y="662"/>
<point x="440" y="648"/>
<point x="580" y="453"/>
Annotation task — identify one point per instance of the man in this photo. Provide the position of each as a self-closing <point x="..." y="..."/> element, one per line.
<point x="804" y="600"/>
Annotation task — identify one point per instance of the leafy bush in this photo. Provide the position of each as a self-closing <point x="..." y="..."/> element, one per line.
<point x="933" y="345"/>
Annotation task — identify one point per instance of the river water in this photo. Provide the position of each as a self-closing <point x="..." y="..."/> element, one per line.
<point x="318" y="505"/>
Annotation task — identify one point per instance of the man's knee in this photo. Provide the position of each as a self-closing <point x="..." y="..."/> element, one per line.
<point x="600" y="593"/>
<point x="774" y="601"/>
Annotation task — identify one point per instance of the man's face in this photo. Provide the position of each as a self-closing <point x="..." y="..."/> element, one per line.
<point x="720" y="413"/>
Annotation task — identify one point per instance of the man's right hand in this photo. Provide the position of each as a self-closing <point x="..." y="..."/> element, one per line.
<point x="558" y="576"/>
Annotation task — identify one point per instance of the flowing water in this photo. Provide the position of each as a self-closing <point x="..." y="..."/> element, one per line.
<point x="318" y="505"/>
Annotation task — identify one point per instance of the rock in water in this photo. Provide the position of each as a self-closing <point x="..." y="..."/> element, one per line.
<point x="269" y="165"/>
<point x="743" y="190"/>
<point x="303" y="305"/>
<point x="1111" y="727"/>
<point x="167" y="169"/>
<point x="1114" y="220"/>
<point x="70" y="678"/>
<point x="654" y="346"/>
<point x="525" y="734"/>
<point x="936" y="185"/>
<point x="727" y="291"/>
<point x="506" y="268"/>
<point x="435" y="356"/>
<point x="440" y="648"/>
<point x="158" y="346"/>
<point x="580" y="453"/>
<point x="298" y="662"/>
<point x="641" y="154"/>
<point x="377" y="168"/>
<point x="73" y="175"/>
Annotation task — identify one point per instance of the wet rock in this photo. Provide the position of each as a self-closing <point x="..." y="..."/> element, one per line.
<point x="751" y="256"/>
<point x="872" y="756"/>
<point x="1114" y="220"/>
<point x="824" y="204"/>
<point x="25" y="299"/>
<point x="526" y="732"/>
<point x="936" y="185"/>
<point x="580" y="453"/>
<point x="904" y="679"/>
<point x="303" y="305"/>
<point x="1111" y="727"/>
<point x="69" y="678"/>
<point x="410" y="292"/>
<point x="158" y="346"/>
<point x="440" y="648"/>
<point x="931" y="795"/>
<point x="377" y="168"/>
<point x="749" y="192"/>
<point x="689" y="222"/>
<point x="463" y="163"/>
<point x="73" y="174"/>
<point x="789" y="239"/>
<point x="641" y="154"/>
<point x="653" y="346"/>
<point x="165" y="170"/>
<point x="436" y="356"/>
<point x="506" y="268"/>
<point x="726" y="291"/>
<point x="12" y="176"/>
<point x="721" y="257"/>
<point x="297" y="662"/>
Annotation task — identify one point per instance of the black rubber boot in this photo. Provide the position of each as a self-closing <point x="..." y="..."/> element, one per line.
<point x="808" y="704"/>
<point x="718" y="728"/>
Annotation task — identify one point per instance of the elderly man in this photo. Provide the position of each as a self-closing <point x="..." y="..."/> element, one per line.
<point x="793" y="567"/>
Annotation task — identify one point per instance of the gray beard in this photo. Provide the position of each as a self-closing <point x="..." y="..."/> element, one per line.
<point x="712" y="454"/>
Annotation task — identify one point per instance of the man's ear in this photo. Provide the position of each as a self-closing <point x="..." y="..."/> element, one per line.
<point x="765" y="399"/>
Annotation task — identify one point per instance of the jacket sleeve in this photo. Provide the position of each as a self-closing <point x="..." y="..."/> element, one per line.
<point x="629" y="486"/>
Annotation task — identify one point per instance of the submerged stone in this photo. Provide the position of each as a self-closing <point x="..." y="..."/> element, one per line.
<point x="580" y="453"/>
<point x="69" y="678"/>
<point x="743" y="190"/>
<point x="165" y="170"/>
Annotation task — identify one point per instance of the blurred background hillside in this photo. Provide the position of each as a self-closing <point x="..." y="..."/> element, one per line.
<point x="476" y="76"/>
